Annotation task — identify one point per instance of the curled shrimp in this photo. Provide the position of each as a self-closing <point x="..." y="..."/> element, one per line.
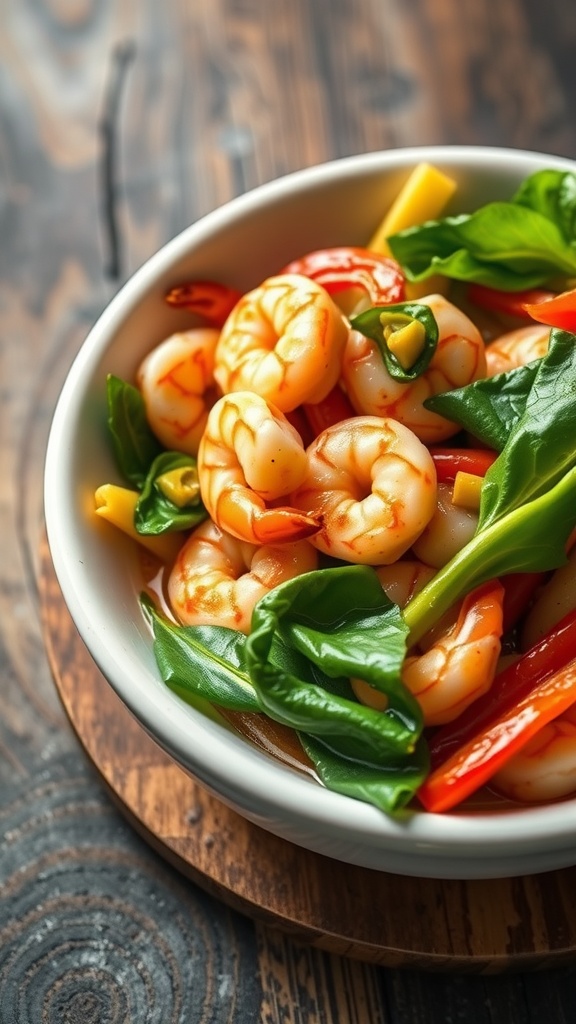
<point x="372" y="485"/>
<point x="516" y="348"/>
<point x="283" y="340"/>
<point x="217" y="579"/>
<point x="545" y="767"/>
<point x="177" y="384"/>
<point x="459" y="359"/>
<point x="249" y="457"/>
<point x="461" y="662"/>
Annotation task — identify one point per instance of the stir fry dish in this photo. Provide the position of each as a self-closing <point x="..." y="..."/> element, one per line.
<point x="359" y="480"/>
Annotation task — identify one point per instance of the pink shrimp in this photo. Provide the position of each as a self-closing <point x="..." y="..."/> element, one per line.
<point x="177" y="384"/>
<point x="459" y="359"/>
<point x="284" y="341"/>
<point x="217" y="579"/>
<point x="250" y="456"/>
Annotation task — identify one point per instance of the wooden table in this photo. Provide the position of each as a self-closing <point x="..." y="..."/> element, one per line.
<point x="120" y="123"/>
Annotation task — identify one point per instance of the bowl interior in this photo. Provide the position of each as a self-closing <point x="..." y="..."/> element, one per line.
<point x="241" y="244"/>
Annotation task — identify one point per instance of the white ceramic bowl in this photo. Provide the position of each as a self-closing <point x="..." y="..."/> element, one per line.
<point x="240" y="244"/>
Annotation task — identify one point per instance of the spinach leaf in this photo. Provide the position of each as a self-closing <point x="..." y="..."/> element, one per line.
<point x="342" y="621"/>
<point x="207" y="661"/>
<point x="513" y="245"/>
<point x="135" y="446"/>
<point x="552" y="193"/>
<point x="528" y="505"/>
<point x="155" y="511"/>
<point x="489" y="408"/>
<point x="541" y="447"/>
<point x="379" y="322"/>
<point x="389" y="783"/>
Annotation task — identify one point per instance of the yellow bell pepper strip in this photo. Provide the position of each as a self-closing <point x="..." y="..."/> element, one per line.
<point x="345" y="267"/>
<point x="473" y="764"/>
<point x="209" y="299"/>
<point x="422" y="197"/>
<point x="558" y="311"/>
<point x="467" y="491"/>
<point x="117" y="505"/>
<point x="513" y="304"/>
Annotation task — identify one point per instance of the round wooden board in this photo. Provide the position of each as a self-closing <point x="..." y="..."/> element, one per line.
<point x="485" y="926"/>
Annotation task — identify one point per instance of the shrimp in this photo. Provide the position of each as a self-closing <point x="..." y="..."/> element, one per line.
<point x="545" y="767"/>
<point x="404" y="579"/>
<point x="371" y="484"/>
<point x="217" y="579"/>
<point x="450" y="528"/>
<point x="459" y="359"/>
<point x="250" y="455"/>
<point x="516" y="348"/>
<point x="461" y="662"/>
<point x="177" y="385"/>
<point x="284" y="340"/>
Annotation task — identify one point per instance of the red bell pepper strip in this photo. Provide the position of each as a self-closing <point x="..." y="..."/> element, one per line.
<point x="450" y="461"/>
<point x="509" y="303"/>
<point x="351" y="267"/>
<point x="509" y="687"/>
<point x="557" y="311"/>
<point x="209" y="299"/>
<point x="331" y="410"/>
<point x="474" y="764"/>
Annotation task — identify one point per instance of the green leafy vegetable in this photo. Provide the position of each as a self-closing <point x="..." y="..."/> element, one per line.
<point x="342" y="621"/>
<point x="389" y="784"/>
<point x="489" y="408"/>
<point x="523" y="243"/>
<point x="553" y="194"/>
<point x="205" y="660"/>
<point x="134" y="444"/>
<point x="541" y="447"/>
<point x="155" y="512"/>
<point x="375" y="323"/>
<point x="528" y="505"/>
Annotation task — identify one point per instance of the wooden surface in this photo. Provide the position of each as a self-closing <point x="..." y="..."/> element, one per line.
<point x="120" y="123"/>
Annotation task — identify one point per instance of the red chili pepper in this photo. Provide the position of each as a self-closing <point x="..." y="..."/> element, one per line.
<point x="332" y="409"/>
<point x="510" y="303"/>
<point x="209" y="299"/>
<point x="351" y="267"/>
<point x="450" y="461"/>
<point x="509" y="688"/>
<point x="474" y="764"/>
<point x="557" y="311"/>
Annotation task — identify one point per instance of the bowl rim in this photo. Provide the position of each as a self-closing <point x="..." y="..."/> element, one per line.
<point x="275" y="790"/>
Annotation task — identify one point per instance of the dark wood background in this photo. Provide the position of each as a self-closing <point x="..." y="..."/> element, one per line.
<point x="120" y="123"/>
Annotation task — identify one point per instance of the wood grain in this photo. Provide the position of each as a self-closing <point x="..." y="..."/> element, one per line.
<point x="120" y="123"/>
